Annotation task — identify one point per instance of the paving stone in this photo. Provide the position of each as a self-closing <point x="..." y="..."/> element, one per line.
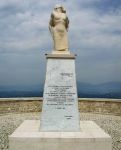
<point x="110" y="123"/>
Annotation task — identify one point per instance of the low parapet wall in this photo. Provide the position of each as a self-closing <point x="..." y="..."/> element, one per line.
<point x="100" y="105"/>
<point x="10" y="105"/>
<point x="94" y="105"/>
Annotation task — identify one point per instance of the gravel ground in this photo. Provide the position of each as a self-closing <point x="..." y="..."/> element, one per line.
<point x="111" y="124"/>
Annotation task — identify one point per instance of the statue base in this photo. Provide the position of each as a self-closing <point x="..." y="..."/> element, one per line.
<point x="60" y="102"/>
<point x="61" y="52"/>
<point x="61" y="56"/>
<point x="90" y="137"/>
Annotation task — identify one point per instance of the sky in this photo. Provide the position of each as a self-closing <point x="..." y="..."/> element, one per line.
<point x="94" y="35"/>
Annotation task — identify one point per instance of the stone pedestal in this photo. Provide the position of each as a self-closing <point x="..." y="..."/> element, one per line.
<point x="60" y="127"/>
<point x="60" y="102"/>
<point x="90" y="137"/>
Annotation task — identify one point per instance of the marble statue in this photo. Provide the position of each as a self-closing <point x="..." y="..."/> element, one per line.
<point x="58" y="26"/>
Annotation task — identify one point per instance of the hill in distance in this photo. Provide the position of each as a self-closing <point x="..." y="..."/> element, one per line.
<point x="85" y="90"/>
<point x="104" y="90"/>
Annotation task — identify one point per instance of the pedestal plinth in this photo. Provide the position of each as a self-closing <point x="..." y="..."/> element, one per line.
<point x="60" y="102"/>
<point x="90" y="137"/>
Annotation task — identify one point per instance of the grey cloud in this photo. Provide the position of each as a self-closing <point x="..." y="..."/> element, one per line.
<point x="24" y="32"/>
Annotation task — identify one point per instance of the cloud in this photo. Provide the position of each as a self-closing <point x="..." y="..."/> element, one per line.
<point x="94" y="34"/>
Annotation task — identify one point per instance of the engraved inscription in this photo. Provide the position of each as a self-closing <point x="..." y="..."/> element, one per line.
<point x="60" y="96"/>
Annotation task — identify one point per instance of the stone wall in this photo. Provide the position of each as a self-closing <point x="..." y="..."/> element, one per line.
<point x="100" y="105"/>
<point x="10" y="105"/>
<point x="103" y="106"/>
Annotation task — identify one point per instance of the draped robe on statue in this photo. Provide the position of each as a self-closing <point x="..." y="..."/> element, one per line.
<point x="58" y="27"/>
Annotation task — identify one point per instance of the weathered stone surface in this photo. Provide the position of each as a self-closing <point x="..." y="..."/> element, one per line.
<point x="58" y="26"/>
<point x="100" y="105"/>
<point x="60" y="104"/>
<point x="9" y="105"/>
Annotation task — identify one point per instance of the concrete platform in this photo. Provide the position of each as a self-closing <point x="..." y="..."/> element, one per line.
<point x="90" y="137"/>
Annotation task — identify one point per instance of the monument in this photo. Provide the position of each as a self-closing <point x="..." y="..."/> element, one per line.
<point x="60" y="93"/>
<point x="60" y="127"/>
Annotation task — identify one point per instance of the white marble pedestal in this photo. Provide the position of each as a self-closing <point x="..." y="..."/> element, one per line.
<point x="90" y="137"/>
<point x="60" y="103"/>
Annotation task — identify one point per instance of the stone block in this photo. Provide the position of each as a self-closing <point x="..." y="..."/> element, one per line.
<point x="90" y="137"/>
<point x="60" y="104"/>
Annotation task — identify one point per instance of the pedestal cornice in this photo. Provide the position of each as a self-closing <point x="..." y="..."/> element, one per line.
<point x="61" y="56"/>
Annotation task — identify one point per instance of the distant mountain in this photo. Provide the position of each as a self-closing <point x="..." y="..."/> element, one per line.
<point x="21" y="91"/>
<point x="104" y="90"/>
<point x="7" y="94"/>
